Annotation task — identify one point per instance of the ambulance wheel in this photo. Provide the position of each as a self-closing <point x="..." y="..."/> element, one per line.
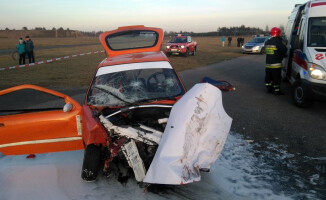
<point x="300" y="95"/>
<point x="91" y="162"/>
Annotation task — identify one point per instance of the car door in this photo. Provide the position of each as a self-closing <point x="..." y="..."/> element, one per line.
<point x="39" y="130"/>
<point x="190" y="44"/>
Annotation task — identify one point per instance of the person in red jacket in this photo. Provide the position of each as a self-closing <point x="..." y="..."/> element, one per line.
<point x="275" y="52"/>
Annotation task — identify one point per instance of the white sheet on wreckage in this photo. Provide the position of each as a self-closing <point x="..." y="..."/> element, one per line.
<point x="193" y="138"/>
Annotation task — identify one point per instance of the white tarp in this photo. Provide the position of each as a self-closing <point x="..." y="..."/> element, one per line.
<point x="193" y="138"/>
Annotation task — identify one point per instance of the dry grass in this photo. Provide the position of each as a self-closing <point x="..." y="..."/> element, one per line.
<point x="10" y="43"/>
<point x="78" y="71"/>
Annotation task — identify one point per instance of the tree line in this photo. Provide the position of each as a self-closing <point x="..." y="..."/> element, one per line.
<point x="223" y="31"/>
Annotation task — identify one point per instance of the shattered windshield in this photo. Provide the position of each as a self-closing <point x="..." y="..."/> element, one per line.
<point x="125" y="84"/>
<point x="317" y="32"/>
<point x="178" y="40"/>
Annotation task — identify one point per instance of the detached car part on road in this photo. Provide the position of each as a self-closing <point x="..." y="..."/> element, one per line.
<point x="136" y="120"/>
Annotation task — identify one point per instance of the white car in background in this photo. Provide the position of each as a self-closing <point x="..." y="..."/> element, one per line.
<point x="255" y="45"/>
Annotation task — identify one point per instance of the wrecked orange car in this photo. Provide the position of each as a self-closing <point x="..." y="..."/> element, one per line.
<point x="135" y="117"/>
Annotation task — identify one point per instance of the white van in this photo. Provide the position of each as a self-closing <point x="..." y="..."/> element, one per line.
<point x="305" y="66"/>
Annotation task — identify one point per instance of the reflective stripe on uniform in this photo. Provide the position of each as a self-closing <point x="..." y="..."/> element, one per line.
<point x="276" y="88"/>
<point x="269" y="49"/>
<point x="273" y="66"/>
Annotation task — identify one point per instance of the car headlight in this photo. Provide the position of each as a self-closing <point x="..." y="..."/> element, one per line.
<point x="317" y="72"/>
<point x="168" y="47"/>
<point x="256" y="47"/>
<point x="182" y="46"/>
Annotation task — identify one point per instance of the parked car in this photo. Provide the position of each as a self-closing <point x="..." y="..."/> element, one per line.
<point x="181" y="44"/>
<point x="135" y="117"/>
<point x="255" y="45"/>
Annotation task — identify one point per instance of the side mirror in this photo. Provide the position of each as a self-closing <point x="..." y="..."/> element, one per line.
<point x="67" y="107"/>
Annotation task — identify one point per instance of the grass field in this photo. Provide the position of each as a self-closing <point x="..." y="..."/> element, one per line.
<point x="78" y="71"/>
<point x="10" y="43"/>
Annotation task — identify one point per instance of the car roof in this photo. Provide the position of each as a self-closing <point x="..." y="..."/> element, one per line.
<point x="134" y="58"/>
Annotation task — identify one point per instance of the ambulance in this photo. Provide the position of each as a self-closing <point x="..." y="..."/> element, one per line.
<point x="305" y="66"/>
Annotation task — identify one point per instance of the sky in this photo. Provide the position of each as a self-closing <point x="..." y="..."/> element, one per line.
<point x="171" y="15"/>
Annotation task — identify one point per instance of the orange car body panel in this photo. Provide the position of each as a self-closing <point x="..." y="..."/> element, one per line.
<point x="93" y="131"/>
<point x="40" y="132"/>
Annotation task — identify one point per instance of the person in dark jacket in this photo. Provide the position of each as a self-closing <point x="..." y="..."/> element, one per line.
<point x="229" y="40"/>
<point x="30" y="49"/>
<point x="275" y="52"/>
<point x="21" y="48"/>
<point x="238" y="41"/>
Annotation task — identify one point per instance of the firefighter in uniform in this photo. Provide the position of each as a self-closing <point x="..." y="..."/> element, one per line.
<point x="275" y="52"/>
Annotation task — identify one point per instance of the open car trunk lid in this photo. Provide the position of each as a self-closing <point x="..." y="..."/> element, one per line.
<point x="132" y="39"/>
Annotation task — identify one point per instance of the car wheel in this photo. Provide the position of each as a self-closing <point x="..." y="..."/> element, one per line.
<point x="187" y="53"/>
<point x="194" y="52"/>
<point x="91" y="162"/>
<point x="262" y="51"/>
<point x="300" y="95"/>
<point x="168" y="54"/>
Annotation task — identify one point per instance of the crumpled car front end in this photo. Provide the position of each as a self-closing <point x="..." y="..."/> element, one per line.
<point x="166" y="143"/>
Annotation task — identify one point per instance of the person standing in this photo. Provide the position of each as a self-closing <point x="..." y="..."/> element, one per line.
<point x="223" y="41"/>
<point x="21" y="48"/>
<point x="275" y="52"/>
<point x="241" y="41"/>
<point x="229" y="40"/>
<point x="30" y="49"/>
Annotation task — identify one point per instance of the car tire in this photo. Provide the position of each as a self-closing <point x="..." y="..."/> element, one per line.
<point x="91" y="162"/>
<point x="262" y="51"/>
<point x="168" y="54"/>
<point x="194" y="52"/>
<point x="300" y="95"/>
<point x="187" y="53"/>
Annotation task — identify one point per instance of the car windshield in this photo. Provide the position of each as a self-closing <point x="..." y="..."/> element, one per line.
<point x="317" y="32"/>
<point x="121" y="85"/>
<point x="178" y="40"/>
<point x="257" y="40"/>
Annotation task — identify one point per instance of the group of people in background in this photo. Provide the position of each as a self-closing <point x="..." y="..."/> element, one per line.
<point x="25" y="47"/>
<point x="229" y="41"/>
<point x="240" y="41"/>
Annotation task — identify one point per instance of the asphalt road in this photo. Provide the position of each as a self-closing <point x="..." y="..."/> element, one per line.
<point x="263" y="116"/>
